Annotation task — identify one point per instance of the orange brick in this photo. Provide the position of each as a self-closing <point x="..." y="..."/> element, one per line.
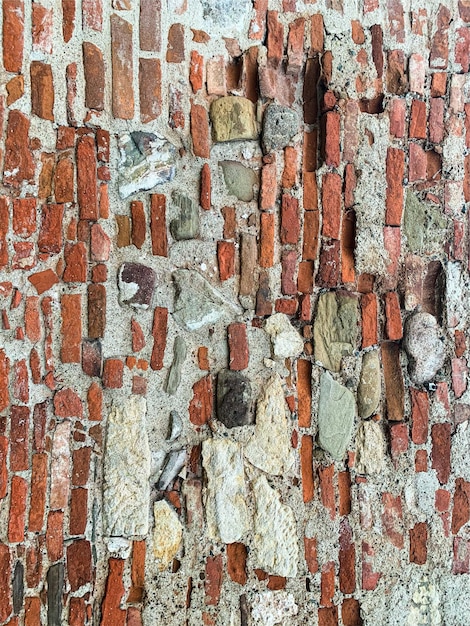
<point x="266" y="253"/>
<point x="369" y="319"/>
<point x="306" y="464"/>
<point x="159" y="328"/>
<point x="226" y="259"/>
<point x="236" y="562"/>
<point x="16" y="520"/>
<point x="304" y="392"/>
<point x="200" y="407"/>
<point x="112" y="373"/>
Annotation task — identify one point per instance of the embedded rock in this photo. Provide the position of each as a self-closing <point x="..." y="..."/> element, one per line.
<point x="425" y="347"/>
<point x="136" y="284"/>
<point x="239" y="179"/>
<point x="370" y="448"/>
<point x="226" y="510"/>
<point x="234" y="399"/>
<point x="425" y="226"/>
<point x="174" y="463"/>
<point x="233" y="118"/>
<point x="167" y="534"/>
<point x="197" y="303"/>
<point x="336" y="411"/>
<point x="285" y="339"/>
<point x="126" y="489"/>
<point x="335" y="328"/>
<point x="273" y="607"/>
<point x="175" y="427"/>
<point x="280" y="125"/>
<point x="269" y="449"/>
<point x="119" y="547"/>
<point x="186" y="226"/>
<point x="369" y="390"/>
<point x="274" y="532"/>
<point x="225" y="15"/>
<point x="174" y="375"/>
<point x="147" y="160"/>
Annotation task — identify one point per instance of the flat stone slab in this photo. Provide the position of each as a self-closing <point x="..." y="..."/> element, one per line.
<point x="280" y="125"/>
<point x="233" y="119"/>
<point x="336" y="412"/>
<point x="369" y="390"/>
<point x="167" y="534"/>
<point x="239" y="180"/>
<point x="370" y="448"/>
<point x="234" y="399"/>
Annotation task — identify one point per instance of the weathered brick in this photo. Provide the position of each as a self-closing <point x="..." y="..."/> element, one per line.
<point x="19" y="438"/>
<point x="200" y="131"/>
<point x="78" y="511"/>
<point x="24" y="217"/>
<point x="306" y="468"/>
<point x="95" y="401"/>
<point x="60" y="467"/>
<point x="150" y="91"/>
<point x="347" y="558"/>
<point x="71" y="85"/>
<point x="113" y="371"/>
<point x="20" y="382"/>
<point x="331" y="139"/>
<point x="394" y="199"/>
<point x="50" y="232"/>
<point x="310" y="235"/>
<point x="175" y="49"/>
<point x="440" y="453"/>
<point x="420" y="416"/>
<point x="213" y="579"/>
<point x="310" y="151"/>
<point x="159" y="328"/>
<point x="32" y="321"/>
<point x="275" y="39"/>
<point x="417" y="163"/>
<point x="369" y="319"/>
<point x="68" y="19"/>
<point x="392" y="519"/>
<point x="200" y="407"/>
<point x="64" y="179"/>
<point x="438" y="57"/>
<point x="93" y="66"/>
<point x="75" y="263"/>
<point x="236" y="562"/>
<point x="436" y="120"/>
<point x="4" y="384"/>
<point x="122" y="68"/>
<point x="351" y="610"/>
<point x="18" y="164"/>
<point x="295" y="46"/>
<point x="327" y="588"/>
<point x="226" y="259"/>
<point x="149" y="25"/>
<point x="5" y="582"/>
<point x="34" y="561"/>
<point x="71" y="328"/>
<point x="87" y="194"/>
<point x="16" y="519"/>
<point x="329" y="268"/>
<point x="79" y="566"/>
<point x="238" y="346"/>
<point x="418" y="543"/>
<point x="55" y="535"/>
<point x="215" y="76"/>
<point x="67" y="404"/>
<point x="32" y="611"/>
<point x="137" y="572"/>
<point x="268" y="191"/>
<point x="310" y="94"/>
<point x="13" y="35"/>
<point x="396" y="79"/>
<point x="305" y="277"/>
<point x="394" y="386"/>
<point x="41" y="28"/>
<point x="257" y="28"/>
<point x="304" y="375"/>
<point x="158" y="225"/>
<point x="418" y="120"/>
<point x="290" y="220"/>
<point x="205" y="190"/>
<point x="77" y="612"/>
<point x="289" y="265"/>
<point x="331" y="202"/>
<point x="248" y="261"/>
<point x="42" y="90"/>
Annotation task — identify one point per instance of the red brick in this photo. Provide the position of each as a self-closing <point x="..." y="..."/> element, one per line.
<point x="418" y="543"/>
<point x="3" y="466"/>
<point x="310" y="551"/>
<point x="461" y="505"/>
<point x="351" y="612"/>
<point x="18" y="164"/>
<point x="289" y="173"/>
<point x="200" y="131"/>
<point x="205" y="194"/>
<point x="393" y="324"/>
<point x="310" y="94"/>
<point x="392" y="519"/>
<point x="200" y="407"/>
<point x="203" y="359"/>
<point x="295" y="46"/>
<point x="176" y="112"/>
<point x="304" y="375"/>
<point x="461" y="560"/>
<point x="258" y="23"/>
<point x="399" y="439"/>
<point x="137" y="572"/>
<point x="327" y="491"/>
<point x="268" y="192"/>
<point x="93" y="66"/>
<point x="175" y="50"/>
<point x="230" y="222"/>
<point x="310" y="235"/>
<point x="39" y="425"/>
<point x="81" y="466"/>
<point x="87" y="194"/>
<point x="397" y="117"/>
<point x="42" y="90"/>
<point x="288" y="283"/>
<point x="32" y="322"/>
<point x="33" y="561"/>
<point x="19" y="438"/>
<point x="394" y="386"/>
<point x="347" y="558"/>
<point x="275" y="39"/>
<point x="77" y="612"/>
<point x="305" y="277"/>
<point x="68" y="20"/>
<point x="395" y="172"/>
<point x="196" y="69"/>
<point x="238" y="346"/>
<point x="13" y="36"/>
<point x="440" y="453"/>
<point x="226" y="259"/>
<point x="436" y="120"/>
<point x="215" y="76"/>
<point x="78" y="511"/>
<point x="20" y="382"/>
<point x="462" y="51"/>
<point x="327" y="585"/>
<point x="99" y="273"/>
<point x="287" y="306"/>
<point x="421" y="461"/>
<point x="71" y="85"/>
<point x="329" y="269"/>
<point x="32" y="613"/>
<point x="418" y="120"/>
<point x="71" y="328"/>
<point x="310" y="151"/>
<point x="96" y="311"/>
<point x="348" y="242"/>
<point x="50" y="233"/>
<point x="248" y="262"/>
<point x="236" y="562"/>
<point x="149" y="25"/>
<point x="24" y="257"/>
<point x="112" y="373"/>
<point x="459" y="376"/>
<point x="134" y="617"/>
<point x="332" y="132"/>
<point x="159" y="328"/>
<point x="290" y="222"/>
<point x="55" y="535"/>
<point x="75" y="263"/>
<point x="95" y="401"/>
<point x="158" y="225"/>
<point x="5" y="582"/>
<point x="24" y="217"/>
<point x="64" y="179"/>
<point x="438" y="84"/>
<point x="369" y="319"/>
<point x="306" y="468"/>
<point x="4" y="223"/>
<point x="122" y="68"/>
<point x="344" y="489"/>
<point x="420" y="416"/>
<point x="138" y="337"/>
<point x="150" y="91"/>
<point x="440" y="43"/>
<point x="317" y="36"/>
<point x="396" y="20"/>
<point x="213" y="580"/>
<point x="396" y="79"/>
<point x="16" y="521"/>
<point x="79" y="566"/>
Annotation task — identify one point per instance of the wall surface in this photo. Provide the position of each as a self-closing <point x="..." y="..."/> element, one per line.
<point x="234" y="306"/>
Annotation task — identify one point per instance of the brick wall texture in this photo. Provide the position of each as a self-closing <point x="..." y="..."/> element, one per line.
<point x="234" y="286"/>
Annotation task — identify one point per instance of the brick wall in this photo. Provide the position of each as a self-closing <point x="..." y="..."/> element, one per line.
<point x="233" y="293"/>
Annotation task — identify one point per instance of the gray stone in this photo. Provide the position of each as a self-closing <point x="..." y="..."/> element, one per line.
<point x="174" y="375"/>
<point x="147" y="160"/>
<point x="285" y="339"/>
<point x="136" y="284"/>
<point x="336" y="411"/>
<point x="425" y="347"/>
<point x="175" y="427"/>
<point x="126" y="490"/>
<point x="174" y="463"/>
<point x="369" y="390"/>
<point x="167" y="534"/>
<point x="425" y="226"/>
<point x="273" y="607"/>
<point x="274" y="532"/>
<point x="269" y="448"/>
<point x="55" y="588"/>
<point x="233" y="118"/>
<point x="280" y="125"/>
<point x="186" y="226"/>
<point x="226" y="496"/>
<point x="239" y="179"/>
<point x="119" y="547"/>
<point x="18" y="587"/>
<point x="370" y="448"/>
<point x="234" y="400"/>
<point x="197" y="303"/>
<point x="226" y="14"/>
<point x="335" y="329"/>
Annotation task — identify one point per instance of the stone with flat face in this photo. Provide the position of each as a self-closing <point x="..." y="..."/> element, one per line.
<point x="126" y="490"/>
<point x="285" y="339"/>
<point x="370" y="385"/>
<point x="336" y="411"/>
<point x="425" y="226"/>
<point x="233" y="118"/>
<point x="167" y="534"/>
<point x="186" y="225"/>
<point x="239" y="180"/>
<point x="280" y="125"/>
<point x="136" y="284"/>
<point x="370" y="448"/>
<point x="424" y="344"/>
<point x="234" y="399"/>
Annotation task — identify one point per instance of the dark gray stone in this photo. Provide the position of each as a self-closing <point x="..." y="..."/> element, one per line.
<point x="55" y="585"/>
<point x="18" y="588"/>
<point x="234" y="399"/>
<point x="186" y="226"/>
<point x="136" y="284"/>
<point x="280" y="125"/>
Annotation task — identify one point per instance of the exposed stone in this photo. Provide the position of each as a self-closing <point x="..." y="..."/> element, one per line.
<point x="369" y="390"/>
<point x="280" y="125"/>
<point x="174" y="463"/>
<point x="226" y="510"/>
<point x="239" y="179"/>
<point x="335" y="328"/>
<point x="167" y="534"/>
<point x="336" y="412"/>
<point x="175" y="427"/>
<point x="274" y="532"/>
<point x="55" y="584"/>
<point x="285" y="339"/>
<point x="18" y="587"/>
<point x="234" y="399"/>
<point x="136" y="284"/>
<point x="273" y="607"/>
<point x="174" y="375"/>
<point x="425" y="226"/>
<point x="225" y="15"/>
<point x="370" y="448"/>
<point x="147" y="160"/>
<point x="425" y="347"/>
<point x="197" y="303"/>
<point x="126" y="490"/>
<point x="186" y="226"/>
<point x="233" y="118"/>
<point x="269" y="449"/>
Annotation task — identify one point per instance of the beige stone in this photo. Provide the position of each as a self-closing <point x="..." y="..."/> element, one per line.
<point x="167" y="534"/>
